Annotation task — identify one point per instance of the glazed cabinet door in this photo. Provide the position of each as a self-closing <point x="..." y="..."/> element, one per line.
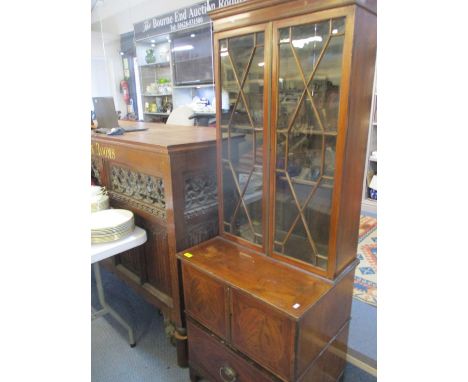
<point x="242" y="90"/>
<point x="307" y="110"/>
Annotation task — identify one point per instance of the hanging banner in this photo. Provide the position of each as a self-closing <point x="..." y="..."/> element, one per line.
<point x="179" y="19"/>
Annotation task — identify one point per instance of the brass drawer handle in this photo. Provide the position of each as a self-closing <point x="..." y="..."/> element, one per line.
<point x="227" y="374"/>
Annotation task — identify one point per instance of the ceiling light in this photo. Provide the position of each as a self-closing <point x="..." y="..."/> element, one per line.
<point x="192" y="35"/>
<point x="152" y="45"/>
<point x="122" y="53"/>
<point x="182" y="47"/>
<point x="153" y="41"/>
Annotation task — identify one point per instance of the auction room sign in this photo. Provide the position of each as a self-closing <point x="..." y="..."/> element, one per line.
<point x="180" y="19"/>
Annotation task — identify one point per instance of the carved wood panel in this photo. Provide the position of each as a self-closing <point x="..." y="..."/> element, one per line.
<point x="200" y="208"/>
<point x="200" y="194"/>
<point x="157" y="256"/>
<point x="143" y="191"/>
<point x="96" y="170"/>
<point x="205" y="300"/>
<point x="263" y="334"/>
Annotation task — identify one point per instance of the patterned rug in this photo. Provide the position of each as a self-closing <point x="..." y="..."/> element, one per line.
<point x="365" y="278"/>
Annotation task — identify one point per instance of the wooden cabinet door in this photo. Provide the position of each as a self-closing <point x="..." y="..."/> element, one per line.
<point x="205" y="300"/>
<point x="263" y="334"/>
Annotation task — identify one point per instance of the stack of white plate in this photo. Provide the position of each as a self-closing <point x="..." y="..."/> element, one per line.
<point x="111" y="225"/>
<point x="99" y="199"/>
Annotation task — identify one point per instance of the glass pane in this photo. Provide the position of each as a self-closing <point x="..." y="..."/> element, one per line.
<point x="280" y="151"/>
<point x="317" y="215"/>
<point x="229" y="88"/>
<point x="305" y="156"/>
<point x="240" y="50"/>
<point x="253" y="87"/>
<point x="259" y="148"/>
<point x="306" y="120"/>
<point x="308" y="41"/>
<point x="325" y="86"/>
<point x="284" y="35"/>
<point x="330" y="151"/>
<point x="306" y="138"/>
<point x="230" y="194"/>
<point x="223" y="45"/>
<point x="224" y="149"/>
<point x="286" y="210"/>
<point x="338" y="25"/>
<point x="260" y="38"/>
<point x="242" y="150"/>
<point x="290" y="86"/>
<point x="242" y="121"/>
<point x="253" y="200"/>
<point x="299" y="244"/>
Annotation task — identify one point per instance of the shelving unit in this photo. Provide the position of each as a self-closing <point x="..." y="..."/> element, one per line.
<point x="369" y="205"/>
<point x="155" y="79"/>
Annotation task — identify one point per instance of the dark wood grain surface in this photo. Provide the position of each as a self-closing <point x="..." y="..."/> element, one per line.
<point x="210" y="358"/>
<point x="169" y="137"/>
<point x="205" y="299"/>
<point x="271" y="281"/>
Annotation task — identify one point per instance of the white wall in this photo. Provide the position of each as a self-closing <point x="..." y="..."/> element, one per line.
<point x="109" y="20"/>
<point x="118" y="16"/>
<point x="106" y="68"/>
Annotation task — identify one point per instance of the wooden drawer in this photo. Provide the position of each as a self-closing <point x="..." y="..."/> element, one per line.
<point x="205" y="300"/>
<point x="211" y="359"/>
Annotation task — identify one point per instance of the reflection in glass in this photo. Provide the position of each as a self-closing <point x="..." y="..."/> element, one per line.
<point x="242" y="83"/>
<point x="305" y="156"/>
<point x="285" y="208"/>
<point x="338" y="25"/>
<point x="290" y="86"/>
<point x="310" y="60"/>
<point x="325" y="86"/>
<point x="329" y="158"/>
<point x="240" y="49"/>
<point x="253" y="88"/>
<point x="308" y="41"/>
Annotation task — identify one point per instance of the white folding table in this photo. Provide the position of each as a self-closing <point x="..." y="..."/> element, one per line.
<point x="103" y="251"/>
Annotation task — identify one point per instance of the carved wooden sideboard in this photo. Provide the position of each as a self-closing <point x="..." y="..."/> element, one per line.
<point x="167" y="177"/>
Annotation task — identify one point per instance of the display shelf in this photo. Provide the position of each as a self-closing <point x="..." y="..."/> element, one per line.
<point x="155" y="79"/>
<point x="193" y="86"/>
<point x="156" y="95"/>
<point x="150" y="113"/>
<point x="157" y="64"/>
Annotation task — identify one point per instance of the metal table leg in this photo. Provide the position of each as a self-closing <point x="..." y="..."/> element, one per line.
<point x="106" y="309"/>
